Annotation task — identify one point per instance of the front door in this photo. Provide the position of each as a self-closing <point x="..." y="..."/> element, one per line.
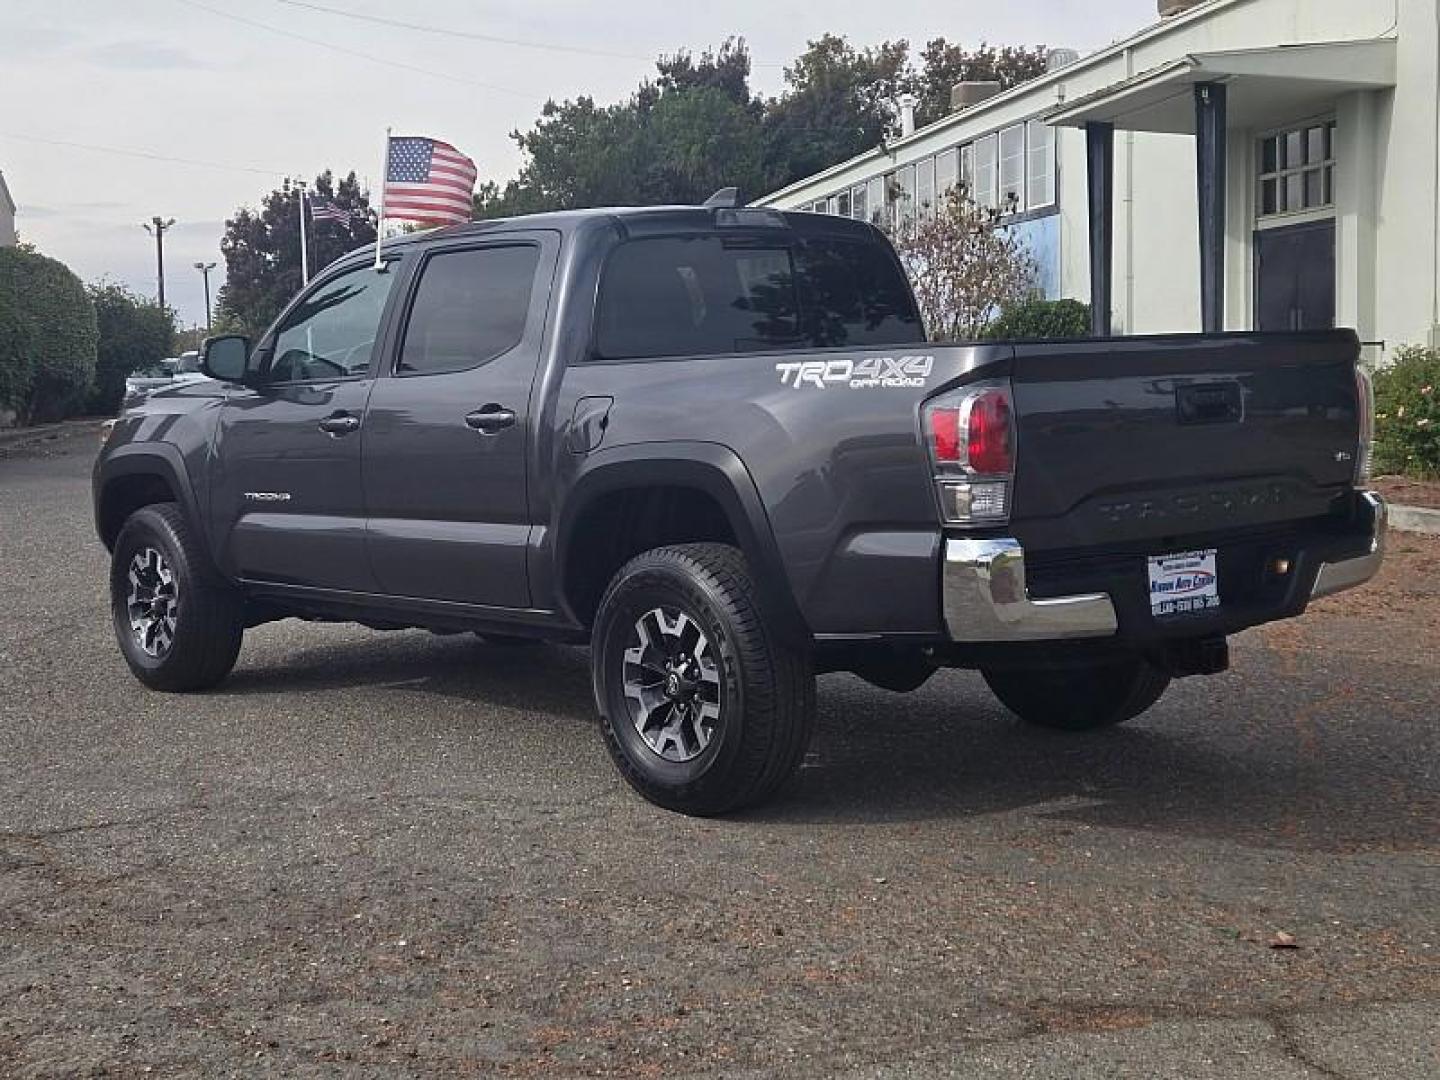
<point x="449" y="422"/>
<point x="1295" y="277"/>
<point x="287" y="500"/>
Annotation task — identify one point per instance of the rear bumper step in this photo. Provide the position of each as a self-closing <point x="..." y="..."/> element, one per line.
<point x="986" y="599"/>
<point x="1345" y="574"/>
<point x="986" y="596"/>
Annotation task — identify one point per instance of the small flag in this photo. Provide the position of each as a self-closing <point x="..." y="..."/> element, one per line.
<point x="323" y="209"/>
<point x="428" y="180"/>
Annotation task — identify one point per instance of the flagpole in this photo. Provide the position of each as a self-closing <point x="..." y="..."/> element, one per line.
<point x="304" y="244"/>
<point x="384" y="176"/>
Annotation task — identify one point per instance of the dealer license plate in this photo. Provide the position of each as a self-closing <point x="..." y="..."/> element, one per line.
<point x="1184" y="584"/>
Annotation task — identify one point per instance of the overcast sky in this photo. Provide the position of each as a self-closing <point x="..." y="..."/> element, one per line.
<point x="170" y="78"/>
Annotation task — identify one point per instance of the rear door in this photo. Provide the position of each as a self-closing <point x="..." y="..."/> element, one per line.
<point x="449" y="423"/>
<point x="287" y="497"/>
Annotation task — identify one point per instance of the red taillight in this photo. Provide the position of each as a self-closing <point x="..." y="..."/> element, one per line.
<point x="989" y="448"/>
<point x="945" y="428"/>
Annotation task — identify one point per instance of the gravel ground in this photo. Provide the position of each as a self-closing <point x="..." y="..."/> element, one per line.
<point x="398" y="854"/>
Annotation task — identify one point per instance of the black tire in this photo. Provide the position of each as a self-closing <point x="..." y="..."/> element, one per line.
<point x="208" y="614"/>
<point x="1079" y="698"/>
<point x="763" y="687"/>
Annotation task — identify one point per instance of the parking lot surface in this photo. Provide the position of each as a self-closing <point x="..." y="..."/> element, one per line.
<point x="395" y="853"/>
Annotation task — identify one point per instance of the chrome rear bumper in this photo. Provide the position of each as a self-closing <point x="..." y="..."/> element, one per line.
<point x="1336" y="577"/>
<point x="986" y="599"/>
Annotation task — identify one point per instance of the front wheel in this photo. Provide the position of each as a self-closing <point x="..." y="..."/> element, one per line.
<point x="704" y="707"/>
<point x="178" y="622"/>
<point x="1079" y="698"/>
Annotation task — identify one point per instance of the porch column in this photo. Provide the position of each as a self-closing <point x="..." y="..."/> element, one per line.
<point x="1100" y="170"/>
<point x="1210" y="187"/>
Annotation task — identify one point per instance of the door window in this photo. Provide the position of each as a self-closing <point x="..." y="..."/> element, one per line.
<point x="331" y="333"/>
<point x="470" y="307"/>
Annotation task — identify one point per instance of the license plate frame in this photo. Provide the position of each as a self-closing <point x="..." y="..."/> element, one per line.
<point x="1184" y="583"/>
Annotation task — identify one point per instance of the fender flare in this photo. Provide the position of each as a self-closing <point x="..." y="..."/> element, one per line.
<point x="147" y="458"/>
<point x="712" y="468"/>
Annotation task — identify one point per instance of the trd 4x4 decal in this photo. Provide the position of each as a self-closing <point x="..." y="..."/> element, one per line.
<point x="872" y="372"/>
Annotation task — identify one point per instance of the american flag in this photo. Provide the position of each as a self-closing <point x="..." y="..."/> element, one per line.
<point x="323" y="209"/>
<point x="428" y="180"/>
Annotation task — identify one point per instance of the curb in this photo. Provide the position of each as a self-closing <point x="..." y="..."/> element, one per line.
<point x="1415" y="519"/>
<point x="20" y="437"/>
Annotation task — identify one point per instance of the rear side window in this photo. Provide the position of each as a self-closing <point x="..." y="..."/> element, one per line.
<point x="703" y="295"/>
<point x="470" y="307"/>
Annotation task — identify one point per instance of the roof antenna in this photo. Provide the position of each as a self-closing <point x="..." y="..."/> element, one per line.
<point x="725" y="198"/>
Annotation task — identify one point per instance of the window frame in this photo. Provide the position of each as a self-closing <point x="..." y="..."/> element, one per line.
<point x="1012" y="132"/>
<point x="593" y="356"/>
<point x="1051" y="172"/>
<point x="412" y="293"/>
<point x="394" y="264"/>
<point x="1326" y="169"/>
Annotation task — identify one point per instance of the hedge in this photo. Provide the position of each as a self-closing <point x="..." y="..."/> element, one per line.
<point x="59" y="334"/>
<point x="1407" y="414"/>
<point x="1037" y="318"/>
<point x="133" y="333"/>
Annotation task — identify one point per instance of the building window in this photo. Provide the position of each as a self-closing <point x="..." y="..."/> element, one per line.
<point x="986" y="177"/>
<point x="967" y="170"/>
<point x="1012" y="168"/>
<point x="1296" y="171"/>
<point x="858" y="203"/>
<point x="842" y="204"/>
<point x="1041" y="139"/>
<point x="947" y="172"/>
<point x="875" y="199"/>
<point x="925" y="188"/>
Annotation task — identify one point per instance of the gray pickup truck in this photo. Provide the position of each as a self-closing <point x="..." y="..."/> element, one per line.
<point x="715" y="444"/>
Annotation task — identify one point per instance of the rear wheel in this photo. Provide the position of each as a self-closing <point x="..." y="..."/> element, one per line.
<point x="704" y="708"/>
<point x="178" y="622"/>
<point x="1079" y="698"/>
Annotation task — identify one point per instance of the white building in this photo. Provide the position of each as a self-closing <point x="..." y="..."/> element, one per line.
<point x="1320" y="170"/>
<point x="7" y="215"/>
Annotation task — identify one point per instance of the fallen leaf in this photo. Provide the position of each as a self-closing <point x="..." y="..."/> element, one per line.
<point x="1282" y="940"/>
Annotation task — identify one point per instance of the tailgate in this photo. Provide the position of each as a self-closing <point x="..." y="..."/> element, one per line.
<point x="1141" y="438"/>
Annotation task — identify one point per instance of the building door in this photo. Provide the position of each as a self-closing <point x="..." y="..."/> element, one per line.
<point x="1295" y="277"/>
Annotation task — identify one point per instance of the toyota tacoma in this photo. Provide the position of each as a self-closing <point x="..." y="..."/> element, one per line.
<point x="714" y="444"/>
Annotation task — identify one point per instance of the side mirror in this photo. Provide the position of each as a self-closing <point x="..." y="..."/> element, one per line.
<point x="226" y="357"/>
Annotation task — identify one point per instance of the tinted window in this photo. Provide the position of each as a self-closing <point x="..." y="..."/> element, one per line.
<point x="331" y="333"/>
<point x="471" y="307"/>
<point x="693" y="296"/>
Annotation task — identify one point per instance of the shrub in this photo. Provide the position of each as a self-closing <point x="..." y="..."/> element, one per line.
<point x="133" y="333"/>
<point x="1407" y="414"/>
<point x="16" y="370"/>
<point x="59" y="325"/>
<point x="964" y="263"/>
<point x="1038" y="318"/>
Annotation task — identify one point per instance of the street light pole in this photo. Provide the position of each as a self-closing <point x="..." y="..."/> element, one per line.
<point x="156" y="227"/>
<point x="205" y="269"/>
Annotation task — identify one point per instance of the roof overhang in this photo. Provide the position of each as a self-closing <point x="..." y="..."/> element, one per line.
<point x="1266" y="86"/>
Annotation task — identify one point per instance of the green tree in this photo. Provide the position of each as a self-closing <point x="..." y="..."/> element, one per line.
<point x="942" y="65"/>
<point x="133" y="332"/>
<point x="57" y="334"/>
<point x="261" y="248"/>
<point x="16" y="367"/>
<point x="838" y="101"/>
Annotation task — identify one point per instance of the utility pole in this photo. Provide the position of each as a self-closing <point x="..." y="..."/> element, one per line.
<point x="156" y="227"/>
<point x="205" y="269"/>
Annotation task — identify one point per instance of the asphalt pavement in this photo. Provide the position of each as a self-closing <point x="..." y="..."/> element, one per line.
<point x="397" y="854"/>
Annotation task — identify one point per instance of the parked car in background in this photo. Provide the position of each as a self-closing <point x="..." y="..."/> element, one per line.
<point x="172" y="371"/>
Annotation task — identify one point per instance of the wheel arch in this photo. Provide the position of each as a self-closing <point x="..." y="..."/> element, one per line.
<point x="708" y="473"/>
<point x="139" y="475"/>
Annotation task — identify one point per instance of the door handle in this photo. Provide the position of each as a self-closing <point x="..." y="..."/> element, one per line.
<point x="490" y="419"/>
<point x="340" y="424"/>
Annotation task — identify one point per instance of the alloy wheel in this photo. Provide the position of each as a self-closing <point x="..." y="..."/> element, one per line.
<point x="672" y="684"/>
<point x="153" y="602"/>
